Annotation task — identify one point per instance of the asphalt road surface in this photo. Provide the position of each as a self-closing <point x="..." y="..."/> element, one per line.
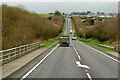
<point x="76" y="61"/>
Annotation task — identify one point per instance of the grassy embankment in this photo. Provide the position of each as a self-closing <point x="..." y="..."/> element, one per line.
<point x="73" y="26"/>
<point x="20" y="27"/>
<point x="52" y="42"/>
<point x="92" y="41"/>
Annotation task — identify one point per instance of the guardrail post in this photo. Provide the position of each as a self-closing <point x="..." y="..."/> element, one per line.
<point x="1" y="57"/>
<point x="16" y="53"/>
<point x="39" y="44"/>
<point x="9" y="55"/>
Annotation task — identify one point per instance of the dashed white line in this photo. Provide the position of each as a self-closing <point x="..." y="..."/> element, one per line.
<point x="30" y="71"/>
<point x="100" y="52"/>
<point x="79" y="57"/>
<point x="89" y="76"/>
<point x="74" y="49"/>
<point x="76" y="52"/>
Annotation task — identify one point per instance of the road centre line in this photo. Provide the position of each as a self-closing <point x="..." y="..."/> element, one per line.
<point x="31" y="70"/>
<point x="89" y="76"/>
<point x="79" y="57"/>
<point x="76" y="51"/>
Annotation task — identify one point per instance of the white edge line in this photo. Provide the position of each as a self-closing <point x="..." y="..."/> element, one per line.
<point x="100" y="52"/>
<point x="30" y="71"/>
<point x="89" y="76"/>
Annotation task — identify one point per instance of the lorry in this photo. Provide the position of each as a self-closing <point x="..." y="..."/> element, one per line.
<point x="64" y="40"/>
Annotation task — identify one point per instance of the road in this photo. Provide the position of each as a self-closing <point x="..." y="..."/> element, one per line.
<point x="78" y="61"/>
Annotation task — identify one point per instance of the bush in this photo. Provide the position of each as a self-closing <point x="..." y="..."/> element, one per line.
<point x="21" y="27"/>
<point x="103" y="31"/>
<point x="57" y="12"/>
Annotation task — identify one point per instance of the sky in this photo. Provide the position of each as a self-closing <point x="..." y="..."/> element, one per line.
<point x="60" y="0"/>
<point x="66" y="6"/>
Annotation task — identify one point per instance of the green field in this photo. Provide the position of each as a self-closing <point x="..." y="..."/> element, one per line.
<point x="46" y="15"/>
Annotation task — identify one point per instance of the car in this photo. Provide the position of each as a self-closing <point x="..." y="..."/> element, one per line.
<point x="74" y="38"/>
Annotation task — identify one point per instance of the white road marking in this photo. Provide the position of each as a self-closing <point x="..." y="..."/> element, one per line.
<point x="100" y="52"/>
<point x="80" y="65"/>
<point x="78" y="62"/>
<point x="79" y="57"/>
<point x="89" y="76"/>
<point x="28" y="73"/>
<point x="75" y="49"/>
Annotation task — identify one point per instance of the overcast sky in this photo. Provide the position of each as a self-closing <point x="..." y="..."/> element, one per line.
<point x="60" y="0"/>
<point x="44" y="7"/>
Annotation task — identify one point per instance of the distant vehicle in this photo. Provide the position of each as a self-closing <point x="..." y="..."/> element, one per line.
<point x="70" y="31"/>
<point x="101" y="20"/>
<point x="92" y="18"/>
<point x="70" y="28"/>
<point x="74" y="38"/>
<point x="67" y="20"/>
<point x="64" y="40"/>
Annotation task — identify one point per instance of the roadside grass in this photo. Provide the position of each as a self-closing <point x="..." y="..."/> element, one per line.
<point x="95" y="43"/>
<point x="63" y="33"/>
<point x="50" y="43"/>
<point x="46" y="15"/>
<point x="73" y="25"/>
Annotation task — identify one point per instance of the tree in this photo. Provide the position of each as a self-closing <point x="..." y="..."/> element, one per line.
<point x="88" y="12"/>
<point x="102" y="13"/>
<point x="57" y="12"/>
<point x="98" y="13"/>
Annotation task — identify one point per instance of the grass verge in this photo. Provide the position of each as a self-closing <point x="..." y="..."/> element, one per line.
<point x="50" y="43"/>
<point x="63" y="33"/>
<point x="95" y="43"/>
<point x="73" y="25"/>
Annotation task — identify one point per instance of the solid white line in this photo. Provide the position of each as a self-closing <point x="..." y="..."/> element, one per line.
<point x="28" y="73"/>
<point x="89" y="76"/>
<point x="100" y="52"/>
